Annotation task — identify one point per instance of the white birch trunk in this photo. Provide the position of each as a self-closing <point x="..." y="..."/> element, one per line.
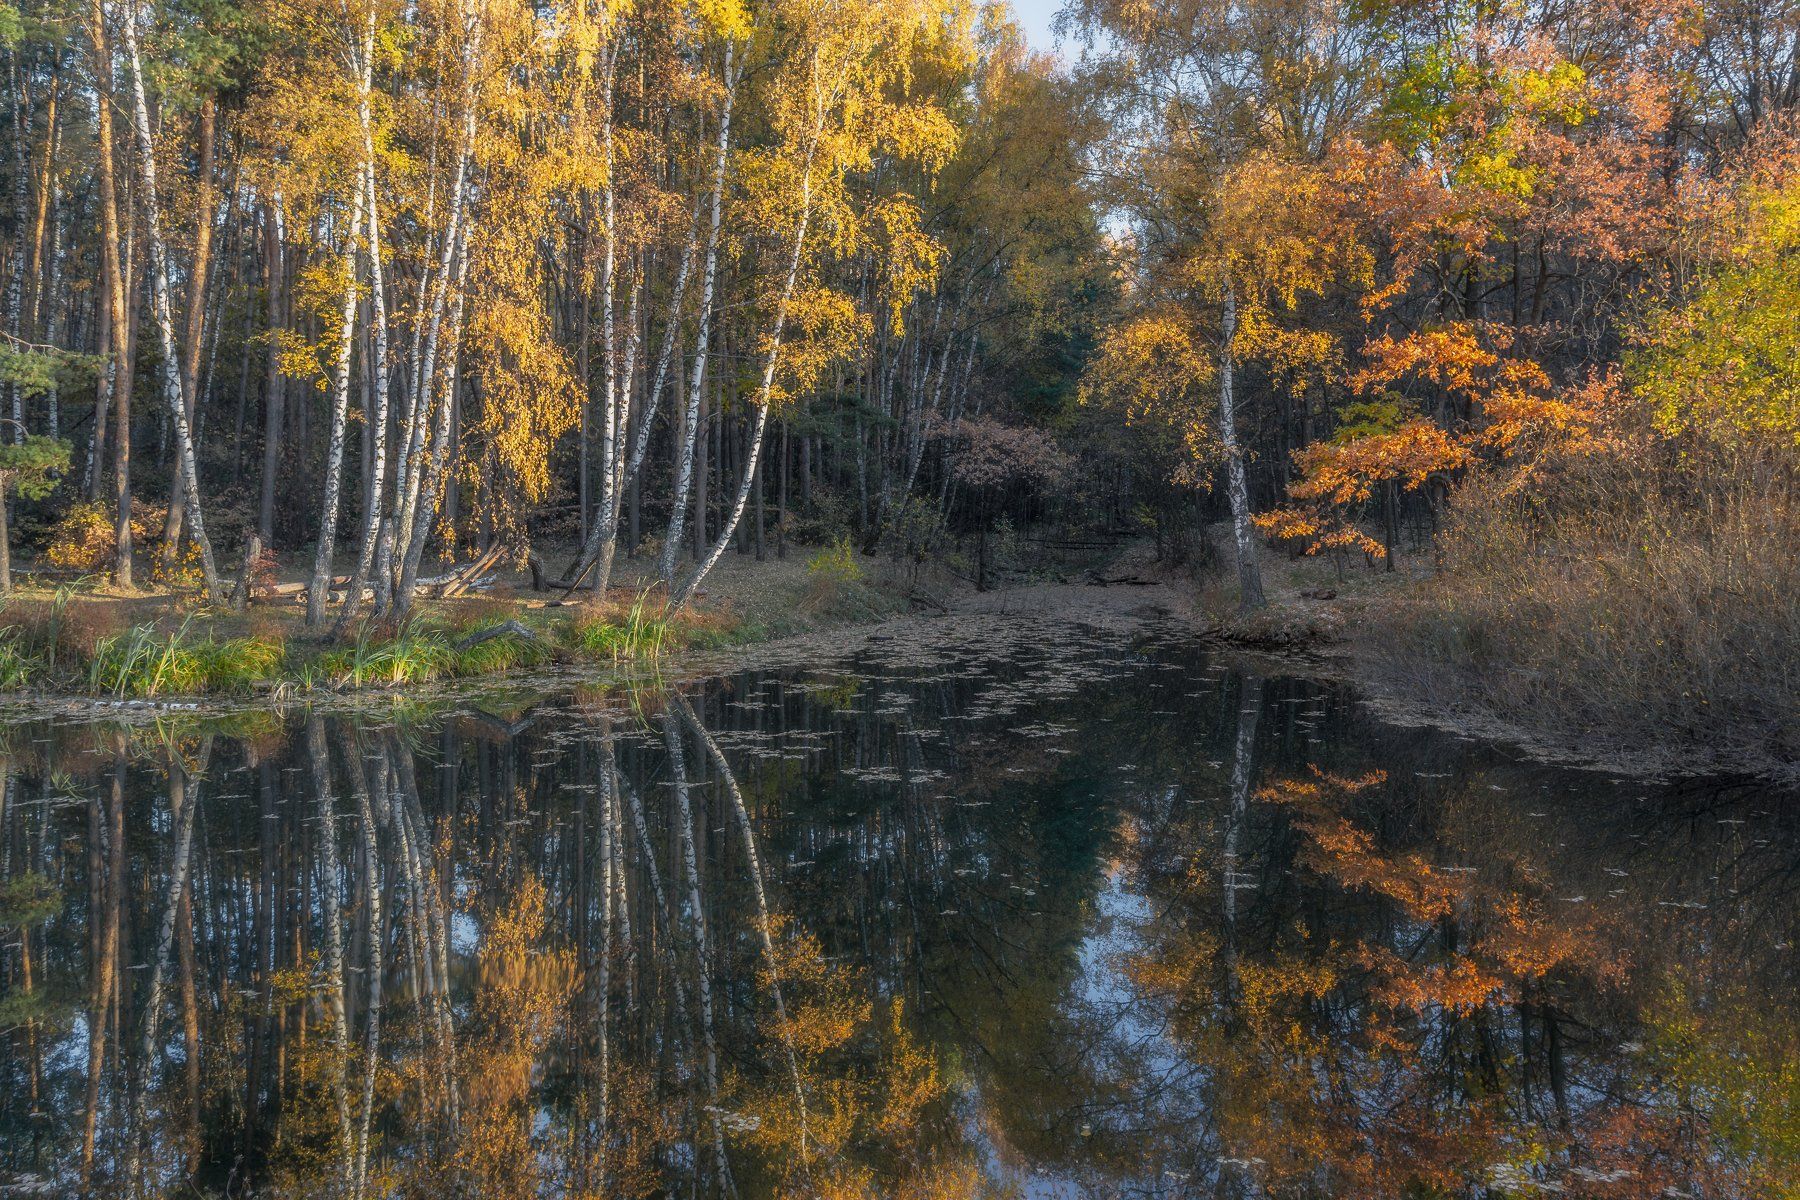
<point x="374" y="487"/>
<point x="411" y="467"/>
<point x="1250" y="588"/>
<point x="686" y="591"/>
<point x="432" y="469"/>
<point x="340" y="406"/>
<point x="671" y="333"/>
<point x="164" y="319"/>
<point x="690" y="419"/>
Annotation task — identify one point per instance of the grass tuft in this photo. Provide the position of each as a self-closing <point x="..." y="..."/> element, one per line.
<point x="416" y="654"/>
<point x="145" y="662"/>
<point x="641" y="630"/>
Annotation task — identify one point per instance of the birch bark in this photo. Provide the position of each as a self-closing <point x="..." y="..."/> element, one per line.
<point x="164" y="317"/>
<point x="318" y="588"/>
<point x="690" y="418"/>
<point x="117" y="318"/>
<point x="1250" y="588"/>
<point x="378" y="417"/>
<point x="766" y="386"/>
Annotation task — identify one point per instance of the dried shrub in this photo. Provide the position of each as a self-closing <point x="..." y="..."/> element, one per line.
<point x="1652" y="594"/>
<point x="265" y="572"/>
<point x="84" y="625"/>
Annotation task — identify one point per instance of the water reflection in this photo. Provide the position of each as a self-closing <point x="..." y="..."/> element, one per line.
<point x="1064" y="913"/>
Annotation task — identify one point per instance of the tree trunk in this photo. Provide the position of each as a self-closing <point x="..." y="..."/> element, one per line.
<point x="15" y="287"/>
<point x="781" y="494"/>
<point x="432" y="471"/>
<point x="112" y="265"/>
<point x="194" y="331"/>
<point x="274" y="386"/>
<point x="5" y="535"/>
<point x="765" y="387"/>
<point x="340" y="407"/>
<point x="415" y="462"/>
<point x="94" y="477"/>
<point x="1250" y="588"/>
<point x="373" y="487"/>
<point x="685" y="452"/>
<point x="165" y="320"/>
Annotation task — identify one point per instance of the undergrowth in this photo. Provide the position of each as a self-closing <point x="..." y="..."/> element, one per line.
<point x="65" y="645"/>
<point x="145" y="662"/>
<point x="1651" y="599"/>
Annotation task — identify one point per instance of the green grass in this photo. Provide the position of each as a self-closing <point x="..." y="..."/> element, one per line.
<point x="640" y="632"/>
<point x="505" y="653"/>
<point x="418" y="654"/>
<point x="18" y="666"/>
<point x="145" y="662"/>
<point x="149" y="660"/>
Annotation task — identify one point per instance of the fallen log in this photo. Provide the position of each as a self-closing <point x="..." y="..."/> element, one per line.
<point x="338" y="584"/>
<point x="462" y="579"/>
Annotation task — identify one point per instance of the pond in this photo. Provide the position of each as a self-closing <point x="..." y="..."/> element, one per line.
<point x="1023" y="908"/>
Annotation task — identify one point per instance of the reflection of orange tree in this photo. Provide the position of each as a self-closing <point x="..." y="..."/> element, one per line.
<point x="1492" y="942"/>
<point x="1373" y="1052"/>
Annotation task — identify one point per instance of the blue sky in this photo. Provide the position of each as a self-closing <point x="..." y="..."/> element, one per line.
<point x="1036" y="17"/>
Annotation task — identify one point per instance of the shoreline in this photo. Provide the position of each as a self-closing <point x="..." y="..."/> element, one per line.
<point x="1320" y="636"/>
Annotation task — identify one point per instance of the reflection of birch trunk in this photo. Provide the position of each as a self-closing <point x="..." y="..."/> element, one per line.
<point x="1249" y="711"/>
<point x="190" y="1021"/>
<point x="426" y="914"/>
<point x="608" y="802"/>
<point x="331" y="905"/>
<point x="372" y="888"/>
<point x="149" y="1051"/>
<point x="108" y="895"/>
<point x="682" y="1006"/>
<point x="762" y="906"/>
<point x="684" y="821"/>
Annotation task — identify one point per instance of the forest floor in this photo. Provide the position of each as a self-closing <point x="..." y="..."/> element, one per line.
<point x="156" y="647"/>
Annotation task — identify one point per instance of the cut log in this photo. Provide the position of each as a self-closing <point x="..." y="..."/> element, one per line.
<point x="460" y="580"/>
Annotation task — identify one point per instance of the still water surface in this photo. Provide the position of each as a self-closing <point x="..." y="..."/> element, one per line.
<point x="1038" y="910"/>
